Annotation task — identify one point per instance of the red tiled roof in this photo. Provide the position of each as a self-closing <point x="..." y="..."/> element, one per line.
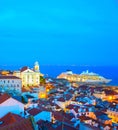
<point x="3" y="98"/>
<point x="71" y="106"/>
<point x="24" y="124"/>
<point x="10" y="119"/>
<point x="24" y="89"/>
<point x="9" y="77"/>
<point x="56" y="106"/>
<point x="110" y="92"/>
<point x="34" y="111"/>
<point x="58" y="126"/>
<point x="15" y="122"/>
<point x="58" y="116"/>
<point x="62" y="117"/>
<point x="83" y="118"/>
<point x="34" y="86"/>
<point x="24" y="68"/>
<point x="61" y="99"/>
<point x="40" y="122"/>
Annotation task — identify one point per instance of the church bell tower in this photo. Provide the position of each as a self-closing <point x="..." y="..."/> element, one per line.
<point x="36" y="67"/>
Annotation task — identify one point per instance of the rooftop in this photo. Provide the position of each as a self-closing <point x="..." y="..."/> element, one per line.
<point x="34" y="111"/>
<point x="3" y="98"/>
<point x="24" y="68"/>
<point x="15" y="122"/>
<point x="9" y="77"/>
<point x="9" y="119"/>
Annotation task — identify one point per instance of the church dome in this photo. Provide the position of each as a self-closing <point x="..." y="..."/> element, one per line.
<point x="36" y="63"/>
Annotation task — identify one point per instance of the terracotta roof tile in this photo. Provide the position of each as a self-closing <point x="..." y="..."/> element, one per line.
<point x="16" y="123"/>
<point x="3" y="98"/>
<point x="110" y="92"/>
<point x="10" y="119"/>
<point x="63" y="117"/>
<point x="34" y="111"/>
<point x="71" y="106"/>
<point x="25" y="124"/>
<point x="9" y="77"/>
<point x="24" y="89"/>
<point x="24" y="68"/>
<point x="84" y="118"/>
<point x="61" y="99"/>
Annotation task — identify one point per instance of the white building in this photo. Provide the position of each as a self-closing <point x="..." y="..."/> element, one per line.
<point x="30" y="77"/>
<point x="40" y="114"/>
<point x="10" y="83"/>
<point x="9" y="104"/>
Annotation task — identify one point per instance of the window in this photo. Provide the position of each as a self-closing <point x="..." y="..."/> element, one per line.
<point x="87" y="113"/>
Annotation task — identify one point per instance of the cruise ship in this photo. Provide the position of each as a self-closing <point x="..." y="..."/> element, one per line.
<point x="84" y="77"/>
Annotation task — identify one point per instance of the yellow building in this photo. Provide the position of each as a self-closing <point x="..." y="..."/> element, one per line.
<point x="30" y="77"/>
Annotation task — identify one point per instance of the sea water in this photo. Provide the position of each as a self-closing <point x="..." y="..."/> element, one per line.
<point x="109" y="72"/>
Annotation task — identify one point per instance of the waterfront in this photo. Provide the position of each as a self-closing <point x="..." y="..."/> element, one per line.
<point x="57" y="102"/>
<point x="110" y="72"/>
<point x="106" y="71"/>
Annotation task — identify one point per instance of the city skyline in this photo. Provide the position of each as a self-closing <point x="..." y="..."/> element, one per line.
<point x="58" y="65"/>
<point x="78" y="33"/>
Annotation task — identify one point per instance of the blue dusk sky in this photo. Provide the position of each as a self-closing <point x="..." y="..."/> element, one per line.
<point x="80" y="32"/>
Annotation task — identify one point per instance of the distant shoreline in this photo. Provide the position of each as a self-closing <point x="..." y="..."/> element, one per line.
<point x="110" y="72"/>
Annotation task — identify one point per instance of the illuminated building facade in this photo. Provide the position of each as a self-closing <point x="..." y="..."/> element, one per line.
<point x="112" y="112"/>
<point x="30" y="77"/>
<point x="10" y="83"/>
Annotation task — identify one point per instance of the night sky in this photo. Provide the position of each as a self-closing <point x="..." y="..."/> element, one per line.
<point x="81" y="32"/>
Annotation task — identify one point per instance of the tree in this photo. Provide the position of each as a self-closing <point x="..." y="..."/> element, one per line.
<point x="42" y="80"/>
<point x="24" y="100"/>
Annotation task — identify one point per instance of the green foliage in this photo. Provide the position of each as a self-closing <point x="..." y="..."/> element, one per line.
<point x="24" y="100"/>
<point x="42" y="80"/>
